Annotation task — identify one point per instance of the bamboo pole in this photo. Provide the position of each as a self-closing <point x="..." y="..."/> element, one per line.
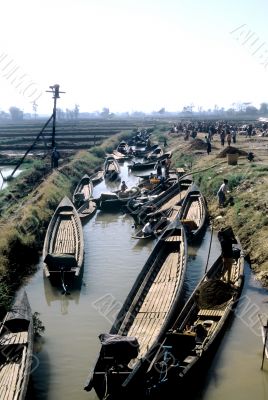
<point x="209" y="249"/>
<point x="265" y="338"/>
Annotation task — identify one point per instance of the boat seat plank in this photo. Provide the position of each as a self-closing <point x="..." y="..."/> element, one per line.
<point x="210" y="313"/>
<point x="66" y="213"/>
<point x="14" y="338"/>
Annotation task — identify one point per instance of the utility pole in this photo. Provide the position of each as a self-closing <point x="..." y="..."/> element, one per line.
<point x="55" y="89"/>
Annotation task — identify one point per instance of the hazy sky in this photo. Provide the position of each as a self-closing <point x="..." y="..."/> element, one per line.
<point x="133" y="55"/>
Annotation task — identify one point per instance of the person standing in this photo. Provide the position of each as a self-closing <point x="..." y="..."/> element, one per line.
<point x="207" y="139"/>
<point x="222" y="192"/>
<point x="222" y="137"/>
<point x="226" y="238"/>
<point x="229" y="138"/>
<point x="55" y="156"/>
<point x="234" y="136"/>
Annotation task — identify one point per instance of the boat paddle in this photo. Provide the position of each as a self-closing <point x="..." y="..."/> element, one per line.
<point x="64" y="286"/>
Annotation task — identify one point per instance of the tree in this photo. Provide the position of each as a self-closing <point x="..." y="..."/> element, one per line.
<point x="35" y="106"/>
<point x="60" y="114"/>
<point x="105" y="112"/>
<point x="264" y="108"/>
<point x="251" y="110"/>
<point x="76" y="111"/>
<point x="16" y="114"/>
<point x="161" y="111"/>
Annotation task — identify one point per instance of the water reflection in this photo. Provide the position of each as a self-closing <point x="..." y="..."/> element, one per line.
<point x="53" y="295"/>
<point x="6" y="171"/>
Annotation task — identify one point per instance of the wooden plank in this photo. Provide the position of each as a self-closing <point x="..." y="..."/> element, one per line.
<point x="21" y="374"/>
<point x="211" y="313"/>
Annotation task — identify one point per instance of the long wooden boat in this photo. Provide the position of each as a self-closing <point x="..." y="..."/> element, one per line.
<point x="87" y="210"/>
<point x="137" y="166"/>
<point x="120" y="157"/>
<point x="193" y="213"/>
<point x="111" y="168"/>
<point x="192" y="339"/>
<point x="145" y="316"/>
<point x="147" y="150"/>
<point x="116" y="200"/>
<point x="63" y="250"/>
<point x="157" y="228"/>
<point x="83" y="191"/>
<point x="97" y="177"/>
<point x="16" y="345"/>
<point x="154" y="155"/>
<point x="161" y="205"/>
<point x="123" y="147"/>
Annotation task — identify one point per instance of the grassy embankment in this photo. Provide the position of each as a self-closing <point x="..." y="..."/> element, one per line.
<point x="27" y="205"/>
<point x="248" y="184"/>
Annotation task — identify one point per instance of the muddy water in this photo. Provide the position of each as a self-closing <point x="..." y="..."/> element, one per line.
<point x="112" y="262"/>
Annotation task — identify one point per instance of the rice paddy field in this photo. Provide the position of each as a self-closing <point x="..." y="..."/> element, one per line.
<point x="70" y="135"/>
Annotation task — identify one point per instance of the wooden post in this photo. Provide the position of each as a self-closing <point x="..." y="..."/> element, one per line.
<point x="55" y="90"/>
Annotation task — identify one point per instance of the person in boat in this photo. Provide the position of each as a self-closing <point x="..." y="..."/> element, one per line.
<point x="123" y="186"/>
<point x="226" y="238"/>
<point x="159" y="170"/>
<point x="222" y="193"/>
<point x="167" y="166"/>
<point x="131" y="151"/>
<point x="147" y="229"/>
<point x="55" y="156"/>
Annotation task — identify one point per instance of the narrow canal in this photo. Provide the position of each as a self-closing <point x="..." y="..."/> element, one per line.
<point x="113" y="260"/>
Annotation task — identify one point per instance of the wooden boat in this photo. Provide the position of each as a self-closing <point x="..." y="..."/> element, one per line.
<point x="116" y="200"/>
<point x="63" y="250"/>
<point x="157" y="228"/>
<point x="120" y="157"/>
<point x="193" y="213"/>
<point x="83" y="191"/>
<point x="97" y="177"/>
<point x="16" y="344"/>
<point x="147" y="150"/>
<point x="111" y="168"/>
<point x="161" y="204"/>
<point x="155" y="154"/>
<point x="87" y="210"/>
<point x="123" y="147"/>
<point x="145" y="316"/>
<point x="196" y="331"/>
<point x="137" y="166"/>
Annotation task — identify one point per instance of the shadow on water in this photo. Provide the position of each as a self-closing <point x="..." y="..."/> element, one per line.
<point x="39" y="388"/>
